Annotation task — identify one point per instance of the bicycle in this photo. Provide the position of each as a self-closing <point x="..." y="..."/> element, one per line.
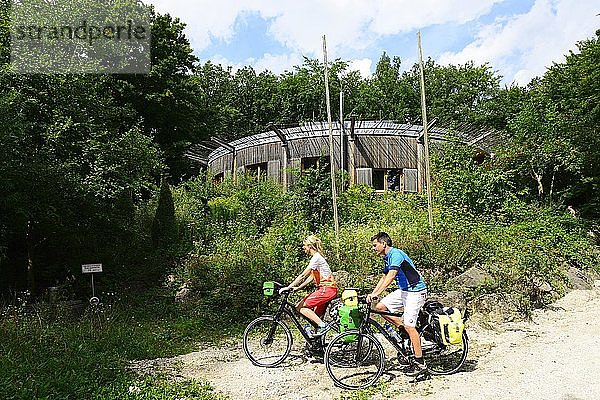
<point x="355" y="359"/>
<point x="267" y="340"/>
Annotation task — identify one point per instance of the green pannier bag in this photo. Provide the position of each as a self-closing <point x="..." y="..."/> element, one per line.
<point x="451" y="325"/>
<point x="349" y="319"/>
<point x="268" y="288"/>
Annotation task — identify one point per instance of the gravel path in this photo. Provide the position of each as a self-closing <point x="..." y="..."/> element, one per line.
<point x="555" y="356"/>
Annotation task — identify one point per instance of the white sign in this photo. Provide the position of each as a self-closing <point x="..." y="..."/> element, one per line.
<point x="90" y="268"/>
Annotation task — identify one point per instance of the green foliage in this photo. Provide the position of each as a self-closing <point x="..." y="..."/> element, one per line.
<point x="463" y="183"/>
<point x="554" y="138"/>
<point x="357" y="204"/>
<point x="311" y="195"/>
<point x="81" y="157"/>
<point x="54" y="352"/>
<point x="521" y="246"/>
<point x="152" y="388"/>
<point x="241" y="234"/>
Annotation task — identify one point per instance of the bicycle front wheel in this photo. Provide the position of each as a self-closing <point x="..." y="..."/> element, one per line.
<point x="354" y="360"/>
<point x="446" y="359"/>
<point x="267" y="341"/>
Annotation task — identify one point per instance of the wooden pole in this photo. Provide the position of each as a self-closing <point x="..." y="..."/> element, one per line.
<point x="341" y="131"/>
<point x="425" y="137"/>
<point x="331" y="149"/>
<point x="351" y="150"/>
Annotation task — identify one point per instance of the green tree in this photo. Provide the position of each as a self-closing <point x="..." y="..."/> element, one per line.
<point x="554" y="138"/>
<point x="168" y="98"/>
<point x="68" y="154"/>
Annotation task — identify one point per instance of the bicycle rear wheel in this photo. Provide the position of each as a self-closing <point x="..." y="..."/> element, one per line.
<point x="354" y="360"/>
<point x="266" y="341"/>
<point x="445" y="359"/>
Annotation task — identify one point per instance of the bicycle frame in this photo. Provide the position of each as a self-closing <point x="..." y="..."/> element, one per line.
<point x="287" y="308"/>
<point x="368" y="322"/>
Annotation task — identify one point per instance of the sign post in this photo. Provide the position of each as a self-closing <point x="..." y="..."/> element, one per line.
<point x="90" y="269"/>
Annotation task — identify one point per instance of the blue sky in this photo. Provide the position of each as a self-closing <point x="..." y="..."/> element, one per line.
<point x="518" y="38"/>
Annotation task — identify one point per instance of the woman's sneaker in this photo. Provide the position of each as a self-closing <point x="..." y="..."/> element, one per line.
<point x="322" y="330"/>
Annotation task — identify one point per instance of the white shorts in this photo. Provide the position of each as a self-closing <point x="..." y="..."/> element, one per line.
<point x="411" y="301"/>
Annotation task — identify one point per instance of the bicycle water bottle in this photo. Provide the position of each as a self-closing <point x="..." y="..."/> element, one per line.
<point x="308" y="331"/>
<point x="392" y="332"/>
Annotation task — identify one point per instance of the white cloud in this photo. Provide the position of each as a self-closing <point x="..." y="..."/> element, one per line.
<point x="277" y="64"/>
<point x="393" y="16"/>
<point x="300" y="25"/>
<point x="363" y="66"/>
<point x="519" y="46"/>
<point x="523" y="46"/>
<point x="205" y="20"/>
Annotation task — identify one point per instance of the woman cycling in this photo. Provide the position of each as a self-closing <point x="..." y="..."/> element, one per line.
<point x="313" y="306"/>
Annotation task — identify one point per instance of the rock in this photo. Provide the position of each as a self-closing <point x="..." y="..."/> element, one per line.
<point x="578" y="279"/>
<point x="451" y="299"/>
<point x="544" y="287"/>
<point x="495" y="307"/>
<point x="472" y="278"/>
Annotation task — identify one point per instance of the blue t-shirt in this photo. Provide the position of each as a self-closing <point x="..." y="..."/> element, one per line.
<point x="407" y="277"/>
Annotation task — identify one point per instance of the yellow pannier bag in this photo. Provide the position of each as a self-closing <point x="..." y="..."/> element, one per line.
<point x="451" y="325"/>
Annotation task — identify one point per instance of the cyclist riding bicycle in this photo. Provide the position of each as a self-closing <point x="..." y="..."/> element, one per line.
<point x="410" y="295"/>
<point x="313" y="305"/>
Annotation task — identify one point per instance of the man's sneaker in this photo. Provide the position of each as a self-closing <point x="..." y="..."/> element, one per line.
<point x="322" y="330"/>
<point x="416" y="369"/>
<point x="403" y="361"/>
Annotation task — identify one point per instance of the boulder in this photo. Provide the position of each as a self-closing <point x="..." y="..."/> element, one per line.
<point x="493" y="308"/>
<point x="472" y="278"/>
<point x="579" y="279"/>
<point x="451" y="299"/>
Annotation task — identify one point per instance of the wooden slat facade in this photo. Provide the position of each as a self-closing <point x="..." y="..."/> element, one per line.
<point x="379" y="146"/>
<point x="385" y="152"/>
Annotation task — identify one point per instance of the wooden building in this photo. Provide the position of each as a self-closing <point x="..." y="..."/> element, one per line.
<point x="382" y="154"/>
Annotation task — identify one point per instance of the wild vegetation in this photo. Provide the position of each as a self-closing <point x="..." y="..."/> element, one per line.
<point x="92" y="170"/>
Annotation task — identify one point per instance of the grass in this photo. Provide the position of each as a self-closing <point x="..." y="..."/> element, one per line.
<point x="49" y="352"/>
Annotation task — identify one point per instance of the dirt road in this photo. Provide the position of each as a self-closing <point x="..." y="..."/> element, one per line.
<point x="555" y="356"/>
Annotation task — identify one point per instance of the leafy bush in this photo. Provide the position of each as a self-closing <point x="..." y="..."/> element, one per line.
<point x="249" y="231"/>
<point x="463" y="183"/>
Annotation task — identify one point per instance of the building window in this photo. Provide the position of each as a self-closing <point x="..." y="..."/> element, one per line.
<point x="364" y="176"/>
<point x="393" y="179"/>
<point x="379" y="179"/>
<point x="314" y="163"/>
<point x="258" y="170"/>
<point x="411" y="177"/>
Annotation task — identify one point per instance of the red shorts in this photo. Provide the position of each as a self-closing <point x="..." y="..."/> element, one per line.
<point x="318" y="300"/>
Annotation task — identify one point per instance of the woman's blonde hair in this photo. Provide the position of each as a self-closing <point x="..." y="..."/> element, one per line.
<point x="314" y="242"/>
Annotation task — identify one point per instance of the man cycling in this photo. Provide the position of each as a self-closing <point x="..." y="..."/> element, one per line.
<point x="410" y="295"/>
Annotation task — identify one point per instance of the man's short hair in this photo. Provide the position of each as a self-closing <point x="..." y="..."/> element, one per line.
<point x="382" y="237"/>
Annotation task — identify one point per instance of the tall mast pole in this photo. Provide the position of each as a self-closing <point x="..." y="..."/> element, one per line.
<point x="341" y="131"/>
<point x="425" y="137"/>
<point x="331" y="149"/>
